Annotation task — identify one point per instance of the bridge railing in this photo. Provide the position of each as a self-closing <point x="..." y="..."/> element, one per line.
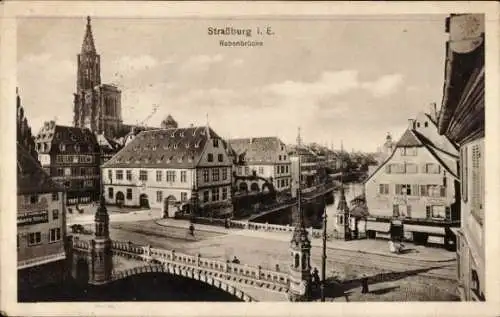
<point x="81" y="244"/>
<point x="157" y="255"/>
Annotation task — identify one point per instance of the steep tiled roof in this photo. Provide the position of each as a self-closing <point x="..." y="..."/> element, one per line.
<point x="408" y="139"/>
<point x="414" y="138"/>
<point x="258" y="150"/>
<point x="31" y="178"/>
<point x="79" y="140"/>
<point x="166" y="148"/>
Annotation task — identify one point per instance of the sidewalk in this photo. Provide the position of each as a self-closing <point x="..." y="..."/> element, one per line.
<point x="379" y="247"/>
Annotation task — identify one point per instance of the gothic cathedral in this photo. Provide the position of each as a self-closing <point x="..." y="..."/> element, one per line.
<point x="96" y="106"/>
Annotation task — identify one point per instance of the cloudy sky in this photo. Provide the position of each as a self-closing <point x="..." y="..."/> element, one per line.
<point x="343" y="78"/>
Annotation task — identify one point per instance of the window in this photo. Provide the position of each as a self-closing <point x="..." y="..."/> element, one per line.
<point x="411" y="168"/>
<point x="129" y="193"/>
<point x="55" y="214"/>
<point x="395" y="210"/>
<point x="282" y="169"/>
<point x="67" y="171"/>
<point x="279" y="158"/>
<point x="426" y="124"/>
<point x="34" y="238"/>
<point x="216" y="142"/>
<point x="55" y="196"/>
<point x="403" y="189"/>
<point x="110" y="174"/>
<point x="183" y="176"/>
<point x="436" y="212"/>
<point x="206" y="177"/>
<point x="184" y="196"/>
<point x="247" y="170"/>
<point x="110" y="192"/>
<point x="284" y="157"/>
<point x="210" y="157"/>
<point x="205" y="196"/>
<point x="464" y="180"/>
<point x="286" y="169"/>
<point x="54" y="235"/>
<point x="215" y="175"/>
<point x="432" y="191"/>
<point x="170" y="176"/>
<point x="395" y="168"/>
<point x="129" y="175"/>
<point x="240" y="170"/>
<point x="431" y="168"/>
<point x="143" y="175"/>
<point x="477" y="184"/>
<point x="159" y="196"/>
<point x="224" y="173"/>
<point x="215" y="194"/>
<point x="220" y="158"/>
<point x="408" y="151"/>
<point x="384" y="189"/>
<point x="60" y="172"/>
<point x="224" y="193"/>
<point x="261" y="170"/>
<point x="119" y="174"/>
<point x="62" y="147"/>
<point x="158" y="176"/>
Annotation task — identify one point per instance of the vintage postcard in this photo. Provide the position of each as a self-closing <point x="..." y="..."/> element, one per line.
<point x="297" y="158"/>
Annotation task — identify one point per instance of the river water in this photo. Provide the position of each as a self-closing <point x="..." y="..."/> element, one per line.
<point x="144" y="287"/>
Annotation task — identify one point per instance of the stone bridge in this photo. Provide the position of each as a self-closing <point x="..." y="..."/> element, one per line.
<point x="247" y="283"/>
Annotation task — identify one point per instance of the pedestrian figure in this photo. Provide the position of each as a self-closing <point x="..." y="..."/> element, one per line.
<point x="191" y="229"/>
<point x="315" y="277"/>
<point x="235" y="260"/>
<point x="226" y="223"/>
<point x="364" y="284"/>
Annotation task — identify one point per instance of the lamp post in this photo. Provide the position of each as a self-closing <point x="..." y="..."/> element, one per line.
<point x="323" y="259"/>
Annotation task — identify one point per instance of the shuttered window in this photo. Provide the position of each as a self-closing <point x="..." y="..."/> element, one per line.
<point x="464" y="174"/>
<point x="477" y="183"/>
<point x="428" y="211"/>
<point x="448" y="213"/>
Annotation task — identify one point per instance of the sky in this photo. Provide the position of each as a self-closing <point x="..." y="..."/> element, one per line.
<point x="341" y="79"/>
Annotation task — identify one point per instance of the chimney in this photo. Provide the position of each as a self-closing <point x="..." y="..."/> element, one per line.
<point x="433" y="112"/>
<point x="411" y="124"/>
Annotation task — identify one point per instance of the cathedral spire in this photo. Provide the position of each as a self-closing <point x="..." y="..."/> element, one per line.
<point x="88" y="45"/>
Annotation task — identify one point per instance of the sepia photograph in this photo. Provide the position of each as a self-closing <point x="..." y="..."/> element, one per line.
<point x="307" y="158"/>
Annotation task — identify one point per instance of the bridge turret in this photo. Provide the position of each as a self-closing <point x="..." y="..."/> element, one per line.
<point x="300" y="268"/>
<point x="101" y="255"/>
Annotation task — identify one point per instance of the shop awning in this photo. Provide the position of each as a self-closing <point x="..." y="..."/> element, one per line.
<point x="426" y="229"/>
<point x="378" y="226"/>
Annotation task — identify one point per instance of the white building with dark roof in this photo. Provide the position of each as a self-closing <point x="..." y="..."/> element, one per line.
<point x="264" y="157"/>
<point x="184" y="169"/>
<point x="418" y="183"/>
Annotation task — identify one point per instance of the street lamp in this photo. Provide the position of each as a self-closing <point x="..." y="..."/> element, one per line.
<point x="323" y="259"/>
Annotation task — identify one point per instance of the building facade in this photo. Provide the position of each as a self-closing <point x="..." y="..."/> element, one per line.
<point x="418" y="183"/>
<point x="71" y="156"/>
<point x="168" y="168"/>
<point x="260" y="162"/>
<point x="462" y="120"/>
<point x="308" y="172"/>
<point x="41" y="225"/>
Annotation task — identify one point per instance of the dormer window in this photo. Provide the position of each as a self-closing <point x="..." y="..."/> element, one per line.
<point x="182" y="134"/>
<point x="161" y="136"/>
<point x="154" y="147"/>
<point x="216" y="142"/>
<point x="62" y="147"/>
<point x="175" y="146"/>
<point x="173" y="134"/>
<point x="191" y="159"/>
<point x="426" y="124"/>
<point x="197" y="144"/>
<point x="187" y="145"/>
<point x="210" y="157"/>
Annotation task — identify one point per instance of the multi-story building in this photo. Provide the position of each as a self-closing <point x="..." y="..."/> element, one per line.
<point x="71" y="156"/>
<point x="41" y="256"/>
<point x="418" y="183"/>
<point x="462" y="120"/>
<point x="260" y="162"/>
<point x="168" y="168"/>
<point x="307" y="174"/>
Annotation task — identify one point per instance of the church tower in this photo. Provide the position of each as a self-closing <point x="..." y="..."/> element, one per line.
<point x="96" y="106"/>
<point x="102" y="257"/>
<point x="300" y="251"/>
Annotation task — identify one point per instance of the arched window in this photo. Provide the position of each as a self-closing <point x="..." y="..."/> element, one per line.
<point x="297" y="259"/>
